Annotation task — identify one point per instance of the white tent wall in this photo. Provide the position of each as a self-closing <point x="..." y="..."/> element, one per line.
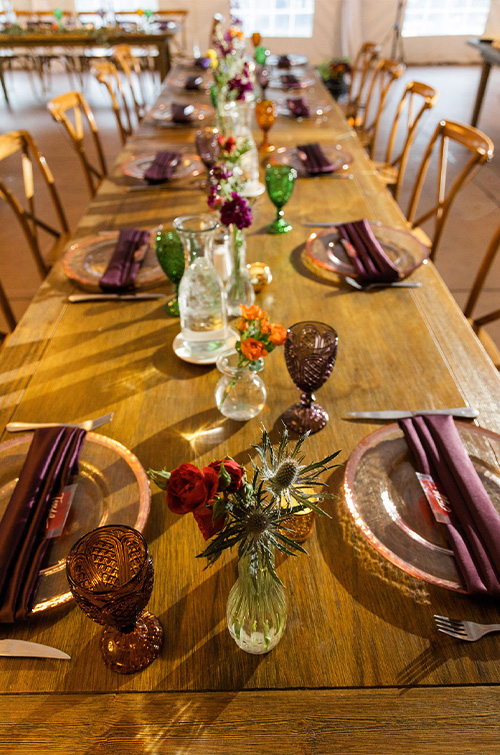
<point x="340" y="26"/>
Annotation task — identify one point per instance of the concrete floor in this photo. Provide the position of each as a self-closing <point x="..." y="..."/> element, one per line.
<point x="474" y="217"/>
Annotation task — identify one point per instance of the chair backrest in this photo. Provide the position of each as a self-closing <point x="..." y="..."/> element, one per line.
<point x="72" y="111"/>
<point x="32" y="166"/>
<point x="363" y="63"/>
<point x="481" y="150"/>
<point x="131" y="68"/>
<point x="478" y="284"/>
<point x="385" y="74"/>
<point x="416" y="100"/>
<point x="106" y="73"/>
<point x="7" y="312"/>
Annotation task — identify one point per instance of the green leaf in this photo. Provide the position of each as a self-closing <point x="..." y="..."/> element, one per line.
<point x="160" y="478"/>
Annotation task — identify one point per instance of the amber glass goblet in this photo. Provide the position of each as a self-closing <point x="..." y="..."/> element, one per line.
<point x="310" y="353"/>
<point x="265" y="113"/>
<point x="256" y="38"/>
<point x="110" y="574"/>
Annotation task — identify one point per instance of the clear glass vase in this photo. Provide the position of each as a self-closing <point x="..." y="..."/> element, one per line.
<point x="256" y="609"/>
<point x="240" y="393"/>
<point x="201" y="298"/>
<point x="234" y="118"/>
<point x="239" y="289"/>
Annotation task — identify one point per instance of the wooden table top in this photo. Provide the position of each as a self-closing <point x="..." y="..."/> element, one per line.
<point x="360" y="667"/>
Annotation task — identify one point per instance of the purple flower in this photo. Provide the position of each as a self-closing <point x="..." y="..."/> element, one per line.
<point x="220" y="173"/>
<point x="240" y="85"/>
<point x="236" y="211"/>
<point x="214" y="199"/>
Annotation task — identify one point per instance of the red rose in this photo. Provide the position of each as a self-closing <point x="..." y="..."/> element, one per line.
<point x="189" y="488"/>
<point x="235" y="472"/>
<point x="203" y="518"/>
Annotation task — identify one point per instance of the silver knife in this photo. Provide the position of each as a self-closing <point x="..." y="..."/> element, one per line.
<point x="75" y="298"/>
<point x="462" y="411"/>
<point x="26" y="649"/>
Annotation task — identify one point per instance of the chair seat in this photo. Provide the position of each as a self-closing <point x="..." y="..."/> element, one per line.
<point x="487" y="343"/>
<point x="388" y="173"/>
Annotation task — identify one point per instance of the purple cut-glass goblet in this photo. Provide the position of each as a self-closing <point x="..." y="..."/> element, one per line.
<point x="310" y="353"/>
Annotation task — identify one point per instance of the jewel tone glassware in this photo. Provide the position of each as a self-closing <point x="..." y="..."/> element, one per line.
<point x="310" y="353"/>
<point x="110" y="575"/>
<point x="256" y="38"/>
<point x="207" y="146"/>
<point x="279" y="185"/>
<point x="263" y="77"/>
<point x="265" y="113"/>
<point x="170" y="252"/>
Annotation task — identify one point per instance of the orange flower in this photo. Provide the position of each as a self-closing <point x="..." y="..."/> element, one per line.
<point x="241" y="325"/>
<point x="253" y="349"/>
<point x="278" y="334"/>
<point x="265" y="327"/>
<point x="252" y="313"/>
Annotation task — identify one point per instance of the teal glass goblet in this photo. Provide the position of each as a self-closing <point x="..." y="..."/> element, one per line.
<point x="279" y="185"/>
<point x="170" y="252"/>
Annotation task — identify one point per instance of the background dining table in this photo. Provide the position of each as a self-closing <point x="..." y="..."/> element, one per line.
<point x="361" y="667"/>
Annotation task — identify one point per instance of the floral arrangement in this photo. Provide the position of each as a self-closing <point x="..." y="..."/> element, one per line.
<point x="232" y="510"/>
<point x="258" y="336"/>
<point x="226" y="183"/>
<point x="334" y="69"/>
<point x="232" y="79"/>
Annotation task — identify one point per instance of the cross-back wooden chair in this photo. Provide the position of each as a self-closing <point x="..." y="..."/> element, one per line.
<point x="106" y="73"/>
<point x="364" y="62"/>
<point x="72" y="112"/>
<point x="481" y="150"/>
<point x="416" y="100"/>
<point x="478" y="323"/>
<point x="33" y="168"/>
<point x="385" y="74"/>
<point x="131" y="68"/>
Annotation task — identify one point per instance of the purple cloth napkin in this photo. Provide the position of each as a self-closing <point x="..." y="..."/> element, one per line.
<point x="289" y="81"/>
<point x="315" y="161"/>
<point x="474" y="528"/>
<point x="284" y="62"/>
<point x="181" y="113"/>
<point x="366" y="254"/>
<point x="202" y="62"/>
<point x="125" y="261"/>
<point x="162" y="168"/>
<point x="298" y="107"/>
<point x="51" y="460"/>
<point x="193" y="82"/>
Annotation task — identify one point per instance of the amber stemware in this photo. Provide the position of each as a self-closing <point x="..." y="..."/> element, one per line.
<point x="265" y="113"/>
<point x="110" y="574"/>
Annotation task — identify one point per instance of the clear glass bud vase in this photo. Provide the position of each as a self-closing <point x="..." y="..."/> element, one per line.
<point x="256" y="609"/>
<point x="239" y="289"/>
<point x="240" y="393"/>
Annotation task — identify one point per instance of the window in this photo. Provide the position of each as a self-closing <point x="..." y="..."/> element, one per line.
<point x="435" y="18"/>
<point x="275" y="18"/>
<point x="94" y="6"/>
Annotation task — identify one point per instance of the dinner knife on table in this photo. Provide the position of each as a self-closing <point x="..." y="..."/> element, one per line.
<point x="76" y="298"/>
<point x="465" y="412"/>
<point x="25" y="649"/>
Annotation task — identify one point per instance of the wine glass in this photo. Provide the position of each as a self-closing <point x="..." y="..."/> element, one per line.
<point x="170" y="252"/>
<point x="279" y="185"/>
<point x="310" y="353"/>
<point x="263" y="77"/>
<point x="265" y="113"/>
<point x="207" y="146"/>
<point x="110" y="575"/>
<point x="256" y="39"/>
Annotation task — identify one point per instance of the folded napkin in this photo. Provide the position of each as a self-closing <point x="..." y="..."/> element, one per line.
<point x="51" y="460"/>
<point x="315" y="161"/>
<point x="474" y="527"/>
<point x="289" y="81"/>
<point x="284" y="62"/>
<point x="125" y="261"/>
<point x="202" y="62"/>
<point x="193" y="82"/>
<point x="298" y="107"/>
<point x="181" y="113"/>
<point x="162" y="168"/>
<point x="366" y="254"/>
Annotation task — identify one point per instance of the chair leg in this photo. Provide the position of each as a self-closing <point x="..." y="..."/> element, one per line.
<point x="2" y="82"/>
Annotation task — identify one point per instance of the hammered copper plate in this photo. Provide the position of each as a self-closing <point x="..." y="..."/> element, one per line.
<point x="112" y="488"/>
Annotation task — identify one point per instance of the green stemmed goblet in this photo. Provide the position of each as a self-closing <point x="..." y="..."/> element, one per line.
<point x="279" y="185"/>
<point x="170" y="252"/>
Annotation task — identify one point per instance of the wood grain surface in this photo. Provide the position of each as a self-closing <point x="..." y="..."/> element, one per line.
<point x="360" y="634"/>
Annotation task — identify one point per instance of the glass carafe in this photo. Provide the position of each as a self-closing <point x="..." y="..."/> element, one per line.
<point x="201" y="300"/>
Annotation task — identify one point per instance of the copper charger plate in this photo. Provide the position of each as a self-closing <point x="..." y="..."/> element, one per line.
<point x="386" y="501"/>
<point x="111" y="488"/>
<point x="188" y="165"/>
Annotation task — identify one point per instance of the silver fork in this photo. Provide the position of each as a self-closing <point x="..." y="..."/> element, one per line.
<point x="464" y="630"/>
<point x="89" y="424"/>
<point x="372" y="286"/>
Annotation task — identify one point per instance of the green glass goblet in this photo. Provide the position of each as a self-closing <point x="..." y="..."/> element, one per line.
<point x="279" y="185"/>
<point x="170" y="252"/>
